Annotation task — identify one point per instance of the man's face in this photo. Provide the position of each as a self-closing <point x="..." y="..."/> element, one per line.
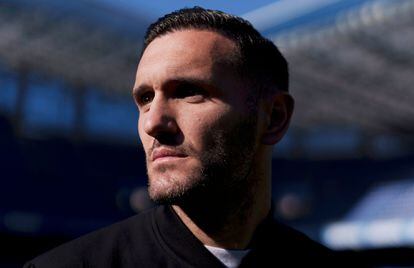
<point x="194" y="124"/>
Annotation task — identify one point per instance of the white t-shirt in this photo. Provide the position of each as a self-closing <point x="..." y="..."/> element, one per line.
<point x="229" y="257"/>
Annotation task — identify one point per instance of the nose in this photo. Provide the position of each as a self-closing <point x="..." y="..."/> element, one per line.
<point x="159" y="120"/>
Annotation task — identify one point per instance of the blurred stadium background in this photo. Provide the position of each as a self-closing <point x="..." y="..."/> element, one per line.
<point x="71" y="160"/>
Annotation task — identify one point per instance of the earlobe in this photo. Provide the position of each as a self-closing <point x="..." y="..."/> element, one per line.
<point x="279" y="118"/>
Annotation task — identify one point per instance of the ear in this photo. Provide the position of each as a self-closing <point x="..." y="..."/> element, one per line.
<point x="279" y="114"/>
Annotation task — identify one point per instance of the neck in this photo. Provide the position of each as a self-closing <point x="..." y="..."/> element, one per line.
<point x="229" y="220"/>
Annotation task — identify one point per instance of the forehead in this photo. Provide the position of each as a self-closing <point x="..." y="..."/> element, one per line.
<point x="187" y="50"/>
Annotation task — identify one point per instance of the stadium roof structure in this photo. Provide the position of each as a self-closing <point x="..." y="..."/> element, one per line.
<point x="354" y="69"/>
<point x="351" y="69"/>
<point x="82" y="42"/>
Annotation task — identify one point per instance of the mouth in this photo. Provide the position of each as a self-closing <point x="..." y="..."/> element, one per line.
<point x="166" y="155"/>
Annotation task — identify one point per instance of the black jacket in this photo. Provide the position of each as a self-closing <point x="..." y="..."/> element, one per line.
<point x="158" y="238"/>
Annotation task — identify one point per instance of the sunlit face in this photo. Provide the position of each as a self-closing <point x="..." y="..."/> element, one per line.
<point x="194" y="124"/>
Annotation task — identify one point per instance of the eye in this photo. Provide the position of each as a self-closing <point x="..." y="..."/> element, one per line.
<point x="145" y="98"/>
<point x="190" y="92"/>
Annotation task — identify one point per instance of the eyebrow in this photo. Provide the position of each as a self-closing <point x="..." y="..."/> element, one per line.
<point x="141" y="88"/>
<point x="183" y="80"/>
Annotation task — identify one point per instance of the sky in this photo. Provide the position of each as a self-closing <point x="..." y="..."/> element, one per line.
<point x="156" y="8"/>
<point x="265" y="15"/>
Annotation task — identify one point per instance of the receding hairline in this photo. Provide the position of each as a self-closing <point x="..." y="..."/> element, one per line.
<point x="234" y="44"/>
<point x="228" y="53"/>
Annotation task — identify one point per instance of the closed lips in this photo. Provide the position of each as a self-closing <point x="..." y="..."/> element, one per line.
<point x="166" y="153"/>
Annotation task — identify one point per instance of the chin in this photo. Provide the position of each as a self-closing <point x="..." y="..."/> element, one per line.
<point x="172" y="190"/>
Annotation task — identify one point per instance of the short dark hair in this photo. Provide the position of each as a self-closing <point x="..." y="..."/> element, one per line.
<point x="260" y="60"/>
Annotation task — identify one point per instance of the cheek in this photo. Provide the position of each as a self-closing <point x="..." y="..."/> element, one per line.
<point x="201" y="127"/>
<point x="139" y="127"/>
<point x="142" y="135"/>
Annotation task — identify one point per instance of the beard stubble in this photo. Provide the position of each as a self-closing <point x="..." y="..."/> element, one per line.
<point x="223" y="183"/>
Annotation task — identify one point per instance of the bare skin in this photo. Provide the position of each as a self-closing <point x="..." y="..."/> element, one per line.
<point x="208" y="155"/>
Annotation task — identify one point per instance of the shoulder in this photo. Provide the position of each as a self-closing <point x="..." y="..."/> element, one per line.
<point x="274" y="240"/>
<point x="104" y="245"/>
<point x="297" y="241"/>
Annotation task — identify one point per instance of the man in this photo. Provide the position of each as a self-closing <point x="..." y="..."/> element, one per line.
<point x="212" y="96"/>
